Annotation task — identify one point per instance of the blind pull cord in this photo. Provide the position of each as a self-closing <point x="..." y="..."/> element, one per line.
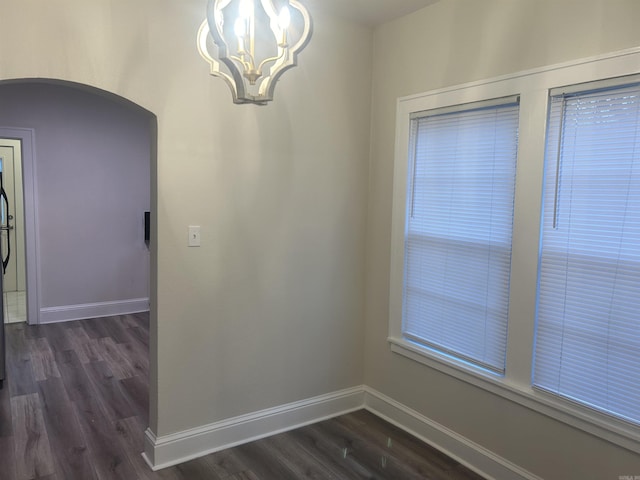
<point x="563" y="108"/>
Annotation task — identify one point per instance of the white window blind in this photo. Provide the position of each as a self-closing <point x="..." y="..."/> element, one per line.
<point x="458" y="232"/>
<point x="588" y="325"/>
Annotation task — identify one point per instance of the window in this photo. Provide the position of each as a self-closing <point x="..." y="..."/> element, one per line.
<point x="458" y="231"/>
<point x="515" y="248"/>
<point x="588" y="325"/>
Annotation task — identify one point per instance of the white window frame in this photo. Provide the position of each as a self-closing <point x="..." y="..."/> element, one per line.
<point x="533" y="87"/>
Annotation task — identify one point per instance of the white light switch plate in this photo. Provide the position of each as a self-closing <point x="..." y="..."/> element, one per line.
<point x="194" y="235"/>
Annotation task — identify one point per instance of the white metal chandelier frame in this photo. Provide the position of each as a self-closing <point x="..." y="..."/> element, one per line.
<point x="252" y="81"/>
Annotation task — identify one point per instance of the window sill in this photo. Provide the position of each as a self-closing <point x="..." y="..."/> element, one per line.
<point x="608" y="428"/>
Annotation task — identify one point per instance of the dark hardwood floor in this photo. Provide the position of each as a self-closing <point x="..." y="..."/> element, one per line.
<point x="74" y="406"/>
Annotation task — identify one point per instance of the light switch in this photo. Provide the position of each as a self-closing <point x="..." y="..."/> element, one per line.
<point x="194" y="236"/>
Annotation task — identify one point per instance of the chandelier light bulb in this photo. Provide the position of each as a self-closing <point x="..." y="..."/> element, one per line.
<point x="245" y="11"/>
<point x="240" y="27"/>
<point x="284" y="19"/>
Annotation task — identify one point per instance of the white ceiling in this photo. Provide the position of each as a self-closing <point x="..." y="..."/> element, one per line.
<point x="369" y="12"/>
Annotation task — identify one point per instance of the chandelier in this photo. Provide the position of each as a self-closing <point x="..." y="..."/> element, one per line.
<point x="251" y="43"/>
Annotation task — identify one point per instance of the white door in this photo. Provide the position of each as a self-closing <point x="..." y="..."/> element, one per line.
<point x="14" y="284"/>
<point x="7" y="217"/>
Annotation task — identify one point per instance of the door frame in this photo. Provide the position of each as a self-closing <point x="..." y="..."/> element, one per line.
<point x="31" y="238"/>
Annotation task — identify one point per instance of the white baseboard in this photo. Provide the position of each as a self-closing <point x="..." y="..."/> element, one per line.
<point x="168" y="450"/>
<point x="67" y="313"/>
<point x="461" y="449"/>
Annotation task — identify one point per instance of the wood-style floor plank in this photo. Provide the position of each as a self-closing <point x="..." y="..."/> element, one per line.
<point x="19" y="375"/>
<point x="67" y="441"/>
<point x="301" y="463"/>
<point x="400" y="447"/>
<point x="364" y="460"/>
<point x="7" y="459"/>
<point x="116" y="404"/>
<point x="108" y="457"/>
<point x="116" y="330"/>
<point x="226" y="464"/>
<point x="6" y="428"/>
<point x="129" y="435"/>
<point x="136" y="390"/>
<point x="141" y="335"/>
<point x="118" y="364"/>
<point x="197" y="469"/>
<point x="132" y="350"/>
<point x="75" y="407"/>
<point x="42" y="359"/>
<point x="248" y="475"/>
<point x="56" y="334"/>
<point x="76" y="381"/>
<point x="260" y="461"/>
<point x="84" y="346"/>
<point x="314" y="443"/>
<point x="95" y="328"/>
<point x="32" y="450"/>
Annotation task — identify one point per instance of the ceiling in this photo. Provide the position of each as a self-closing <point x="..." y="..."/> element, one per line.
<point x="369" y="12"/>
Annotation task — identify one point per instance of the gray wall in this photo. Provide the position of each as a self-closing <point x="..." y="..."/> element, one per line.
<point x="92" y="162"/>
<point x="269" y="310"/>
<point x="462" y="41"/>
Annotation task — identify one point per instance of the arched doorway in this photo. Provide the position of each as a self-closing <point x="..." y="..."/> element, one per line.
<point x="87" y="156"/>
<point x="89" y="159"/>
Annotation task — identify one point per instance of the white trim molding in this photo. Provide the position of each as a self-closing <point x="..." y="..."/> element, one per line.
<point x="470" y="454"/>
<point x="30" y="193"/>
<point x="604" y="426"/>
<point x="168" y="450"/>
<point x="67" y="313"/>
